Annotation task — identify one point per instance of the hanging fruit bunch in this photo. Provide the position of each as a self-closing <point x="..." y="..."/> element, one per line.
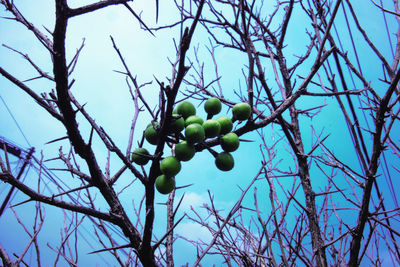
<point x="196" y="130"/>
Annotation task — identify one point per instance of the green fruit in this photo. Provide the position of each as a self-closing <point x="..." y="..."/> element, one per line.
<point x="165" y="184"/>
<point x="241" y="111"/>
<point x="151" y="134"/>
<point x="170" y="166"/>
<point x="186" y="109"/>
<point x="177" y="124"/>
<point x="184" y="151"/>
<point x="194" y="133"/>
<point x="139" y="156"/>
<point x="212" y="128"/>
<point x="224" y="161"/>
<point x="226" y="124"/>
<point x="212" y="106"/>
<point x="193" y="119"/>
<point x="230" y="142"/>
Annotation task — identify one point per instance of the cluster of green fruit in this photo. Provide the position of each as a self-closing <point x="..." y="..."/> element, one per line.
<point x="196" y="130"/>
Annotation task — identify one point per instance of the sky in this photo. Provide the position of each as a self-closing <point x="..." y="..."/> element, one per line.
<point x="107" y="98"/>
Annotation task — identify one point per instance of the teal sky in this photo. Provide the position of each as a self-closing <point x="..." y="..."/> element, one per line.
<point x="108" y="100"/>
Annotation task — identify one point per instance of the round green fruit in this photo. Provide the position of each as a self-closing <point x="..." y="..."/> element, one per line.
<point x="184" y="151"/>
<point x="193" y="119"/>
<point x="230" y="142"/>
<point x="151" y="134"/>
<point x="226" y="124"/>
<point x="165" y="184"/>
<point x="241" y="111"/>
<point x="139" y="156"/>
<point x="224" y="161"/>
<point x="212" y="128"/>
<point x="170" y="166"/>
<point x="194" y="133"/>
<point x="186" y="109"/>
<point x="212" y="106"/>
<point x="177" y="124"/>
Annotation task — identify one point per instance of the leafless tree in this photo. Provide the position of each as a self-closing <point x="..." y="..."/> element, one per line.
<point x="324" y="208"/>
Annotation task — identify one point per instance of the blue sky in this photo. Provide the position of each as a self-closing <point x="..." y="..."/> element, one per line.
<point x="108" y="100"/>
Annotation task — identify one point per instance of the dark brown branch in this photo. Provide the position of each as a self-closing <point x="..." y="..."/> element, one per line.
<point x="81" y="148"/>
<point x="93" y="7"/>
<point x="371" y="173"/>
<point x="138" y="18"/>
<point x="367" y="39"/>
<point x="8" y="178"/>
<point x="30" y="92"/>
<point x="285" y="23"/>
<point x="166" y="116"/>
<point x="36" y="67"/>
<point x="20" y="18"/>
<point x="5" y="258"/>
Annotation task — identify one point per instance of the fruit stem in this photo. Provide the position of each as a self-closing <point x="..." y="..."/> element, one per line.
<point x="215" y="154"/>
<point x="173" y="150"/>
